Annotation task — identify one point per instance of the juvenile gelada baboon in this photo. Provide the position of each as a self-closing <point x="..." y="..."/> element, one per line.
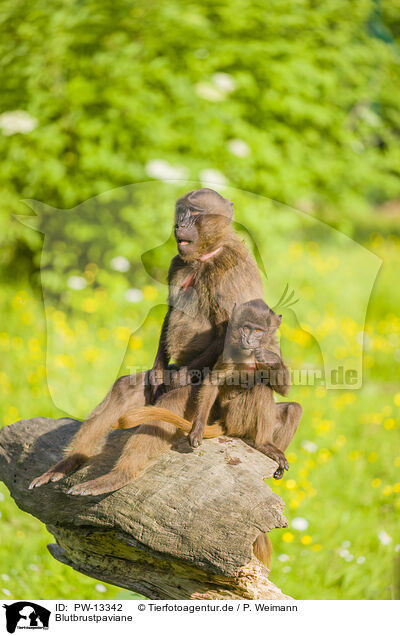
<point x="211" y="272"/>
<point x="238" y="392"/>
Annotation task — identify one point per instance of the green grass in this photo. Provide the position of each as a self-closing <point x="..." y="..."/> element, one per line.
<point x="345" y="485"/>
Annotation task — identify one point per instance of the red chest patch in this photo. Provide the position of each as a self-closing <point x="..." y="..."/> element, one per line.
<point x="188" y="282"/>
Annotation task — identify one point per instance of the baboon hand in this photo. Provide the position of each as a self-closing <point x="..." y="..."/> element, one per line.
<point x="58" y="471"/>
<point x="266" y="356"/>
<point x="196" y="435"/>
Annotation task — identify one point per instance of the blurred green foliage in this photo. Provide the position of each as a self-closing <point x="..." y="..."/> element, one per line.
<point x="310" y="88"/>
<point x="292" y="100"/>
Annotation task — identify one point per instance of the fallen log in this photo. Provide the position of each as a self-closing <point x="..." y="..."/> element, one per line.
<point x="184" y="529"/>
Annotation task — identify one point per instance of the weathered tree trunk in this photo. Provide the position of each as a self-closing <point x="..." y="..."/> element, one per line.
<point x="184" y="529"/>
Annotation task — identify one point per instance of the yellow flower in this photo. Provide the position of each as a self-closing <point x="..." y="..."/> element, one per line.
<point x="396" y="487"/>
<point x="291" y="484"/>
<point x="306" y="540"/>
<point x="17" y="342"/>
<point x="135" y="343"/>
<point x="64" y="360"/>
<point x="58" y="317"/>
<point x="149" y="292"/>
<point x="354" y="455"/>
<point x="4" y="340"/>
<point x="19" y="300"/>
<point x="295" y="251"/>
<point x="287" y="537"/>
<point x="317" y="547"/>
<point x="27" y="318"/>
<point x="90" y="305"/>
<point x="387" y="491"/>
<point x="91" y="354"/>
<point x="340" y="441"/>
<point x="122" y="333"/>
<point x="372" y="457"/>
<point x="368" y="361"/>
<point x="11" y="416"/>
<point x="390" y="423"/>
<point x="396" y="399"/>
<point x="34" y="344"/>
<point x="375" y="483"/>
<point x="324" y="455"/>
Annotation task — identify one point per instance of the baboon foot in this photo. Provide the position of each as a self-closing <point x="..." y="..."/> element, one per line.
<point x="195" y="436"/>
<point x="58" y="471"/>
<point x="104" y="484"/>
<point x="274" y="453"/>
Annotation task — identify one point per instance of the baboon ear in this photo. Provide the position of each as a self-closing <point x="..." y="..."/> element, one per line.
<point x="277" y="321"/>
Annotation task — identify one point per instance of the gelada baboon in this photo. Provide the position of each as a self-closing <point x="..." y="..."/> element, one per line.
<point x="239" y="384"/>
<point x="211" y="272"/>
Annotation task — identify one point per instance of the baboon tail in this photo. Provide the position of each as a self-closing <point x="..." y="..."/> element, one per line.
<point x="262" y="547"/>
<point x="135" y="417"/>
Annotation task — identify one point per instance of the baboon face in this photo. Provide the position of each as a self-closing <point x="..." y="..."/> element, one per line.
<point x="201" y="219"/>
<point x="252" y="325"/>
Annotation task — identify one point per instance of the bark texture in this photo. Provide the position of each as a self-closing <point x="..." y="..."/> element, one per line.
<point x="184" y="529"/>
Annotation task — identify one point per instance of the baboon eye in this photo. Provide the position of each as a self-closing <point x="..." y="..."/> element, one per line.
<point x="258" y="332"/>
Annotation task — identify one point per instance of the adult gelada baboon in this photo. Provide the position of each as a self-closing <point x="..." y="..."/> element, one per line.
<point x="211" y="272"/>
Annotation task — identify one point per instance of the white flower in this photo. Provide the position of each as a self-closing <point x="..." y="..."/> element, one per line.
<point x="299" y="523"/>
<point x="1" y="496"/>
<point x="360" y="560"/>
<point x="5" y="577"/>
<point x="238" y="147"/>
<point x="214" y="177"/>
<point x="76" y="282"/>
<point x="17" y="121"/>
<point x="286" y="569"/>
<point x="100" y="588"/>
<point x="310" y="447"/>
<point x="283" y="557"/>
<point x="344" y="553"/>
<point x="133" y="295"/>
<point x="6" y="592"/>
<point x="208" y="91"/>
<point x="162" y="170"/>
<point x="346" y="544"/>
<point x="397" y="547"/>
<point x="384" y="537"/>
<point x="363" y="339"/>
<point x="120" y="264"/>
<point x="349" y="557"/>
<point x="33" y="567"/>
<point x="224" y="82"/>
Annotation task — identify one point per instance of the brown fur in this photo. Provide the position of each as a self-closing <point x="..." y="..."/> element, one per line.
<point x="193" y="335"/>
<point x="248" y="409"/>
